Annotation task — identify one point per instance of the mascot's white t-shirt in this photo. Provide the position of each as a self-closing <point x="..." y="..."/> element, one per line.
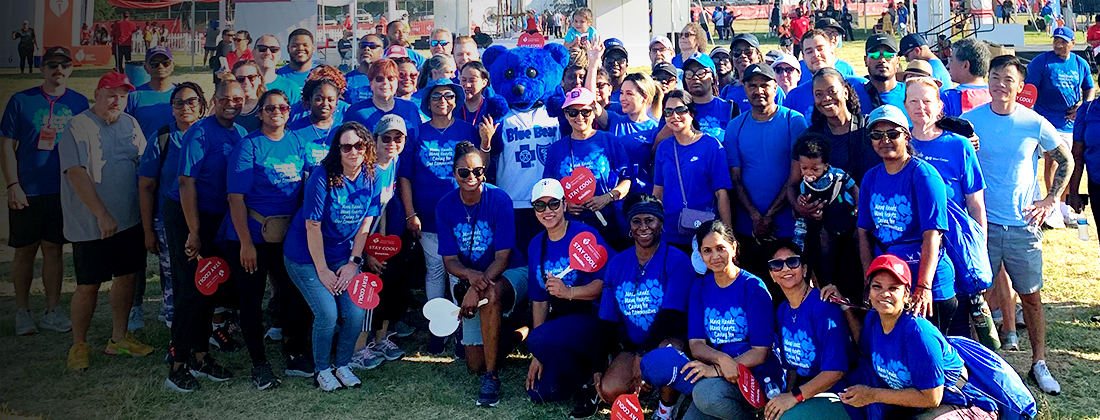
<point x="525" y="137"/>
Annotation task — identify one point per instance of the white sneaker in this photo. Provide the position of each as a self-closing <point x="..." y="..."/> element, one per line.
<point x="55" y="320"/>
<point x="1055" y="220"/>
<point x="274" y="334"/>
<point x="24" y="322"/>
<point x="347" y="377"/>
<point x="326" y="381"/>
<point x="1041" y="375"/>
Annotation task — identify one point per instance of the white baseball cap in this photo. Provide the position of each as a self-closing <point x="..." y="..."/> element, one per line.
<point x="547" y="187"/>
<point x="663" y="40"/>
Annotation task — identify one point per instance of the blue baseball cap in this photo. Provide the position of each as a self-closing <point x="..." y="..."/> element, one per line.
<point x="613" y="44"/>
<point x="1064" y="33"/>
<point x="425" y="94"/>
<point x="661" y="367"/>
<point x="888" y="113"/>
<point x="703" y="60"/>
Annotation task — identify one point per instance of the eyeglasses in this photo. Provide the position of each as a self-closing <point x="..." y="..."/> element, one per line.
<point x="665" y="80"/>
<point x="231" y="101"/>
<point x="283" y="109"/>
<point x="738" y="53"/>
<point x="658" y="50"/>
<point x="346" y="148"/>
<point x="387" y="139"/>
<point x="369" y="45"/>
<point x="162" y="63"/>
<point x="601" y="85"/>
<point x="247" y="77"/>
<point x="265" y="48"/>
<point x="892" y="134"/>
<point x="189" y="102"/>
<point x="792" y="262"/>
<point x="680" y="110"/>
<point x="243" y="40"/>
<point x="697" y="75"/>
<point x="541" y="206"/>
<point x="438" y="96"/>
<point x="464" y="173"/>
<point x="881" y="55"/>
<point x="53" y="65"/>
<point x="573" y="113"/>
<point x="438" y="42"/>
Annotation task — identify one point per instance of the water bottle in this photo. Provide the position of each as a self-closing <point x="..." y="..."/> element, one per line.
<point x="1083" y="228"/>
<point x="982" y="319"/>
<point x="770" y="389"/>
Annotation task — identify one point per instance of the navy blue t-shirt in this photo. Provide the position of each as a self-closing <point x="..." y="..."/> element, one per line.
<point x="637" y="140"/>
<point x="428" y="164"/>
<point x="25" y="116"/>
<point x="633" y="293"/>
<point x="152" y="109"/>
<point x="553" y="259"/>
<point x="163" y="169"/>
<point x="957" y="163"/>
<point x="476" y="233"/>
<point x="269" y="174"/>
<point x="341" y="211"/>
<point x="204" y="156"/>
<point x="602" y="153"/>
<point x="814" y="338"/>
<point x="1086" y="130"/>
<point x="801" y="98"/>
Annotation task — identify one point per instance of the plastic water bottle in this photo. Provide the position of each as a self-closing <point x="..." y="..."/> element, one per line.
<point x="1083" y="228"/>
<point x="982" y="319"/>
<point x="770" y="389"/>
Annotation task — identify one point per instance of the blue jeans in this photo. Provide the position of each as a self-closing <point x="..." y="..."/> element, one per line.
<point x="327" y="309"/>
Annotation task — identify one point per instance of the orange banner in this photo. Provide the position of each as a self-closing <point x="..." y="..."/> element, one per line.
<point x="58" y="18"/>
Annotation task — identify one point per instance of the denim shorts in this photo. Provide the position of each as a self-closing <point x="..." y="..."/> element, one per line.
<point x="471" y="327"/>
<point x="1020" y="249"/>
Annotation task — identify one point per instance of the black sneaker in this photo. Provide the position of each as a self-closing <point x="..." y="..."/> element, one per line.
<point x="300" y="366"/>
<point x="263" y="378"/>
<point x="489" y="396"/>
<point x="210" y="369"/>
<point x="223" y="340"/>
<point x="586" y="402"/>
<point x="181" y="380"/>
<point x="435" y="345"/>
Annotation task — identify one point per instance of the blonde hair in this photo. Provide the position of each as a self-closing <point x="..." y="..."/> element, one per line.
<point x="578" y="57"/>
<point x="650" y="91"/>
<point x="700" y="36"/>
<point x="465" y="39"/>
<point x="585" y="13"/>
<point x="930" y="83"/>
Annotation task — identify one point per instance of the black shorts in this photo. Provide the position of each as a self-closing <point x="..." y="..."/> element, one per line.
<point x="104" y="259"/>
<point x="210" y="48"/>
<point x="41" y="221"/>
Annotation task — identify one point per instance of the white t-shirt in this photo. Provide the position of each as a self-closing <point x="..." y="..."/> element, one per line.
<point x="524" y="139"/>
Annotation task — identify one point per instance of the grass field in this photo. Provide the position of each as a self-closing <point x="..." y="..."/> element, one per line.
<point x="34" y="382"/>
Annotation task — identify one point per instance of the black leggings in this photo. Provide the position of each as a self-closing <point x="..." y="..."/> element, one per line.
<point x="26" y="55"/>
<point x="295" y="313"/>
<point x="395" y="298"/>
<point x="191" y="323"/>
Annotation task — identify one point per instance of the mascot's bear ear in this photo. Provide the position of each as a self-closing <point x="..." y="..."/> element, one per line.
<point x="559" y="53"/>
<point x="490" y="55"/>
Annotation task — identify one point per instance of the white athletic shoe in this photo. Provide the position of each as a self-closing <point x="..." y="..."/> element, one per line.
<point x="1041" y="375"/>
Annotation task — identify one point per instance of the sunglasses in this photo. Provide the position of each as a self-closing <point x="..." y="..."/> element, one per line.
<point x="438" y="96"/>
<point x="53" y="65"/>
<point x="464" y="173"/>
<point x="784" y="69"/>
<point x="721" y="58"/>
<point x="436" y="43"/>
<point x="265" y="48"/>
<point x="189" y="102"/>
<point x="346" y="148"/>
<point x="156" y="64"/>
<point x="247" y="77"/>
<point x="738" y="53"/>
<point x="283" y="109"/>
<point x="369" y="45"/>
<point x="881" y="55"/>
<point x="573" y="113"/>
<point x="893" y="134"/>
<point x="601" y="85"/>
<point x="381" y="79"/>
<point x="697" y="75"/>
<point x="664" y="80"/>
<point x="680" y="110"/>
<point x="541" y="206"/>
<point x="399" y="138"/>
<point x="792" y="262"/>
<point x="243" y="40"/>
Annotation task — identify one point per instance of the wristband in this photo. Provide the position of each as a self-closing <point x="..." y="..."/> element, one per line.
<point x="357" y="260"/>
<point x="921" y="286"/>
<point x="797" y="393"/>
<point x="486" y="150"/>
<point x="410" y="217"/>
<point x="718" y="370"/>
<point x="13" y="184"/>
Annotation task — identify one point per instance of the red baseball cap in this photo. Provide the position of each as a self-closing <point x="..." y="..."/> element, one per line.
<point x="113" y="80"/>
<point x="894" y="265"/>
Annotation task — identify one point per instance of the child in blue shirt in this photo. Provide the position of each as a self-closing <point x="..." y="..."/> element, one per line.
<point x="581" y="29"/>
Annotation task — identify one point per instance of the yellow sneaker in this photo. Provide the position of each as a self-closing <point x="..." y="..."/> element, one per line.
<point x="78" y="357"/>
<point x="128" y="346"/>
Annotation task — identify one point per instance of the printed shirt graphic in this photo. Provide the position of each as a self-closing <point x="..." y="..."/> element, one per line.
<point x="490" y="227"/>
<point x="368" y="114"/>
<point x="553" y="260"/>
<point x="957" y="163"/>
<point x="713" y="117"/>
<point x="26" y="114"/>
<point x="522" y="142"/>
<point x="602" y="153"/>
<point x="814" y="338"/>
<point x="340" y="210"/>
<point x="167" y="173"/>
<point x="204" y="156"/>
<point x="151" y="108"/>
<point x="1059" y="83"/>
<point x="637" y="140"/>
<point x="634" y="298"/>
<point x="358" y="89"/>
<point x="732" y="319"/>
<point x="704" y="170"/>
<point x="762" y="149"/>
<point x="429" y="162"/>
<point x="315" y="140"/>
<point x="269" y="174"/>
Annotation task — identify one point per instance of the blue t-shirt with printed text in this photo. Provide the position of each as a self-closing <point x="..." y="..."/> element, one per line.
<point x="602" y="153"/>
<point x="704" y="172"/>
<point x="301" y="111"/>
<point x="164" y="169"/>
<point x="897" y="209"/>
<point x="735" y="318"/>
<point x="358" y="89"/>
<point x="476" y="233"/>
<point x="814" y="338"/>
<point x="269" y="174"/>
<point x="151" y="108"/>
<point x="762" y="149"/>
<point x="1086" y="130"/>
<point x="554" y="259"/>
<point x="368" y="114"/>
<point x="429" y="163"/>
<point x="633" y="293"/>
<point x="204" y="156"/>
<point x="315" y="140"/>
<point x="1059" y="83"/>
<point x="957" y="163"/>
<point x="340" y="210"/>
<point x="24" y="117"/>
<point x="637" y="140"/>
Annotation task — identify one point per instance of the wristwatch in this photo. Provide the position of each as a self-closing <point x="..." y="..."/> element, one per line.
<point x="355" y="259"/>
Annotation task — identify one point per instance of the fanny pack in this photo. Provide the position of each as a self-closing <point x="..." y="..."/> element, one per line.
<point x="273" y="227"/>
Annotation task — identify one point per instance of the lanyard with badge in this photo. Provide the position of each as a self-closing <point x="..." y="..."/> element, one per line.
<point x="47" y="135"/>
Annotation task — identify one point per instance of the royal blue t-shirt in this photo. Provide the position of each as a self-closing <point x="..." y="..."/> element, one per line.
<point x="915" y="355"/>
<point x="1086" y="129"/>
<point x="637" y="140"/>
<point x="954" y="158"/>
<point x="204" y="156"/>
<point x="301" y="111"/>
<point x="152" y="109"/>
<point x="553" y="259"/>
<point x="269" y="174"/>
<point x="298" y="77"/>
<point x="842" y="66"/>
<point x="633" y="293"/>
<point x="429" y="161"/>
<point x="899" y="208"/>
<point x="1059" y="83"/>
<point x="292" y="89"/>
<point x="762" y="149"/>
<point x="475" y="233"/>
<point x="704" y="170"/>
<point x="734" y="319"/>
<point x="895" y="97"/>
<point x="712" y="117"/>
<point x="24" y="117"/>
<point x="315" y="140"/>
<point x="735" y="94"/>
<point x="814" y="338"/>
<point x="801" y="98"/>
<point x="602" y="153"/>
<point x="939" y="72"/>
<point x="953" y="105"/>
<point x="340" y="210"/>
<point x="368" y="114"/>
<point x="358" y="89"/>
<point x="163" y="169"/>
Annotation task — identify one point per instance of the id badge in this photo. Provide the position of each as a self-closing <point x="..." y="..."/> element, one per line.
<point x="47" y="138"/>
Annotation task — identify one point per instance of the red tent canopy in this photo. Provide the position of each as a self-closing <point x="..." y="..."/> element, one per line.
<point x="145" y="5"/>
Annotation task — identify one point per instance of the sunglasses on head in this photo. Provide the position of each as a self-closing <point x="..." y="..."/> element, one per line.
<point x="189" y="102"/>
<point x="465" y="172"/>
<point x="893" y="134"/>
<point x="346" y="148"/>
<point x="52" y="65"/>
<point x="438" y="42"/>
<point x="680" y="110"/>
<point x="369" y="45"/>
<point x="265" y="48"/>
<point x="572" y="113"/>
<point x="438" y="96"/>
<point x="247" y="77"/>
<point x="541" y="206"/>
<point x="881" y="55"/>
<point x="283" y="109"/>
<point x="792" y="262"/>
